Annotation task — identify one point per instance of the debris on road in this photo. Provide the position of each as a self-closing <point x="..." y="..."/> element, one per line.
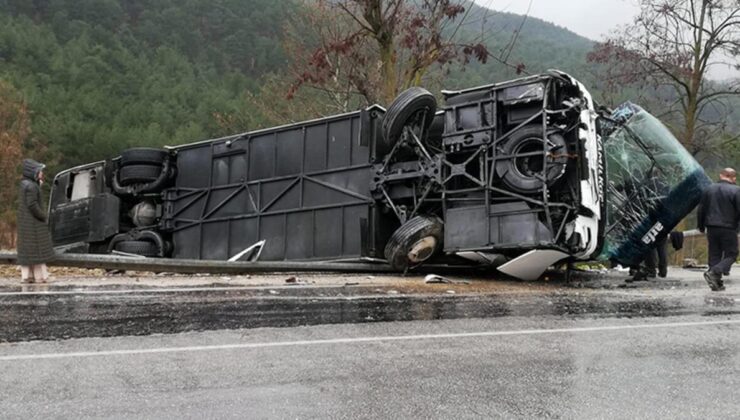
<point x="693" y="263"/>
<point x="109" y="273"/>
<point x="293" y="280"/>
<point x="435" y="279"/>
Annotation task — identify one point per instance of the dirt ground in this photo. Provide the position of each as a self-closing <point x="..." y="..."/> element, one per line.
<point x="63" y="277"/>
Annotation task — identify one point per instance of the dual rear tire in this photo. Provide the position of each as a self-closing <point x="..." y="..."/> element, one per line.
<point x="141" y="165"/>
<point x="141" y="171"/>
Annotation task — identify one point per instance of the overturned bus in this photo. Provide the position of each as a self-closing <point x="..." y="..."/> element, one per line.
<point x="516" y="175"/>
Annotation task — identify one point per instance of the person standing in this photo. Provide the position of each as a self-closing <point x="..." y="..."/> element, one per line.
<point x="719" y="216"/>
<point x="654" y="262"/>
<point x="34" y="241"/>
<point x="657" y="259"/>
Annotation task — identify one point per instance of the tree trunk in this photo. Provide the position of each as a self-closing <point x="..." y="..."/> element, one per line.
<point x="690" y="125"/>
<point x="388" y="59"/>
<point x="697" y="75"/>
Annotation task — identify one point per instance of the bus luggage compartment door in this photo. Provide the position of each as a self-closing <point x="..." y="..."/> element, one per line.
<point x="304" y="189"/>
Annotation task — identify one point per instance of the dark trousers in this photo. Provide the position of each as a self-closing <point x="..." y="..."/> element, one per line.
<point x="722" y="249"/>
<point x="658" y="256"/>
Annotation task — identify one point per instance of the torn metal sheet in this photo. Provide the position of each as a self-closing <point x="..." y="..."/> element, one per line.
<point x="533" y="264"/>
<point x="252" y="253"/>
<point x="437" y="279"/>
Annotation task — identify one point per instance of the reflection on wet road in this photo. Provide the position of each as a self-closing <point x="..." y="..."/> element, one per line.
<point x="512" y="367"/>
<point x="61" y="314"/>
<point x="336" y="349"/>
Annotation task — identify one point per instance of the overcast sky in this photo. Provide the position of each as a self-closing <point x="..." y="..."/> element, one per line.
<point x="590" y="18"/>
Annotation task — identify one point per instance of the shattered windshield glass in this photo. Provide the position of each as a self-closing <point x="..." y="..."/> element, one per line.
<point x="653" y="182"/>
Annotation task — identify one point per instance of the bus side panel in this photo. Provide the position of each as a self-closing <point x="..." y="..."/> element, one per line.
<point x="304" y="189"/>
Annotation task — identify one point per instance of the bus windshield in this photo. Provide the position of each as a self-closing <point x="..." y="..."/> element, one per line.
<point x="653" y="183"/>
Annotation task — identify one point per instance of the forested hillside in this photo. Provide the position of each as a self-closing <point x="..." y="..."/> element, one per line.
<point x="539" y="46"/>
<point x="103" y="75"/>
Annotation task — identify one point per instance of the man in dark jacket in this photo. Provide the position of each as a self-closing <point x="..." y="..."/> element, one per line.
<point x="34" y="241"/>
<point x="719" y="215"/>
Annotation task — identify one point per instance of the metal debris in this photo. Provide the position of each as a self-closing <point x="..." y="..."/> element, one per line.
<point x="435" y="279"/>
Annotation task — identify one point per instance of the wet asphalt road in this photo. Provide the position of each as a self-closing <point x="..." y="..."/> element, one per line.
<point x="513" y="367"/>
<point x="590" y="349"/>
<point x="110" y="313"/>
<point x="51" y="316"/>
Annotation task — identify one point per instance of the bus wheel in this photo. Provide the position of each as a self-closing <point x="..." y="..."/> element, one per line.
<point x="143" y="248"/>
<point x="414" y="242"/>
<point x="135" y="174"/>
<point x="414" y="107"/>
<point x="143" y="156"/>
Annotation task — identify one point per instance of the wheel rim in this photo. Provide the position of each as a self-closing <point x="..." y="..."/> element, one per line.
<point x="418" y="123"/>
<point x="422" y="249"/>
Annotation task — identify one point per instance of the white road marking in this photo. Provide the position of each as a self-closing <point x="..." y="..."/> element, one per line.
<point x="354" y="340"/>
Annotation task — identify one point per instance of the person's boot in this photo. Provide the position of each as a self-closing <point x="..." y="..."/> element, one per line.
<point x="713" y="280"/>
<point x="640" y="276"/>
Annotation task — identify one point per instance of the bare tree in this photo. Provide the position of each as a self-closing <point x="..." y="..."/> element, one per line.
<point x="373" y="49"/>
<point x="669" y="50"/>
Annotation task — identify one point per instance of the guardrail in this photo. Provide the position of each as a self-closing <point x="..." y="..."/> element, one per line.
<point x="689" y="255"/>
